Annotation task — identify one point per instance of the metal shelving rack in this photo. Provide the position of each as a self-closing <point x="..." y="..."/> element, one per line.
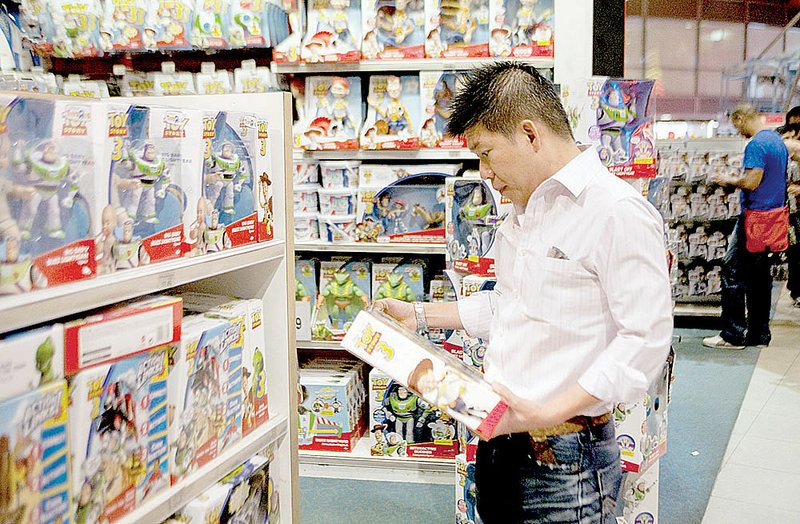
<point x="378" y="66"/>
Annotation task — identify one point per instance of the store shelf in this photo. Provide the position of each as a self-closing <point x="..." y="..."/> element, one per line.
<point x="160" y="507"/>
<point x="428" y="64"/>
<point x="319" y="344"/>
<point x="372" y="247"/>
<point x="697" y="310"/>
<point x="360" y="465"/>
<point x="17" y="311"/>
<point x="380" y="156"/>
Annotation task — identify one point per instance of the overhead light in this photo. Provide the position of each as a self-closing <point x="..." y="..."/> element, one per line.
<point x="717" y="35"/>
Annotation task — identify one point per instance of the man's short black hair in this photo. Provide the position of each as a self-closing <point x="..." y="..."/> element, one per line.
<point x="500" y="95"/>
<point x="793" y="113"/>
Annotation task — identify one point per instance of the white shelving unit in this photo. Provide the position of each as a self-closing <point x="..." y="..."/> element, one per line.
<point x="377" y="66"/>
<point x="378" y="156"/>
<point x="264" y="271"/>
<point x="372" y="247"/>
<point x="319" y="344"/>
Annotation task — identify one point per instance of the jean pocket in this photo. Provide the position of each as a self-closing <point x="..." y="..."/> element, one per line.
<point x="559" y="453"/>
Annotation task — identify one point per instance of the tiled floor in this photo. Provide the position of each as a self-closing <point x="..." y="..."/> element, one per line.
<point x="760" y="476"/>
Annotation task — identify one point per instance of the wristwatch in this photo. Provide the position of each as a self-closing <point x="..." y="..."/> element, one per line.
<point x="419" y="313"/>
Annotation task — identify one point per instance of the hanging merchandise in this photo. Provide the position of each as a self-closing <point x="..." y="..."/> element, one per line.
<point x="393" y="105"/>
<point x="12" y="53"/>
<point x="456" y="28"/>
<point x="334" y="32"/>
<point x="36" y="22"/>
<point x="246" y="23"/>
<point x="251" y="79"/>
<point x="333" y="109"/>
<point x="285" y="24"/>
<point x="209" y="81"/>
<point x="168" y="82"/>
<point x="133" y="83"/>
<point x="437" y="89"/>
<point x="522" y="28"/>
<point x="123" y="26"/>
<point x="75" y="85"/>
<point x="393" y="29"/>
<point x="211" y="27"/>
<point x="75" y="28"/>
<point x="172" y="22"/>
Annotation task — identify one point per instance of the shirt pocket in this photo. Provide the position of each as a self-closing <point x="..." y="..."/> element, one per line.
<point x="555" y="290"/>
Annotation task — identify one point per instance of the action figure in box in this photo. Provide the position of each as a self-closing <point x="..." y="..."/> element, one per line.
<point x="225" y="167"/>
<point x="437" y="91"/>
<point x="75" y="28"/>
<point x="246" y="24"/>
<point x="147" y="178"/>
<point x="401" y="281"/>
<point x="334" y="107"/>
<point x="343" y="299"/>
<point x="456" y="28"/>
<point x="172" y="23"/>
<point x="122" y="28"/>
<point x="391" y="102"/>
<point x="401" y="409"/>
<point x="211" y="25"/>
<point x="528" y="26"/>
<point x="333" y="33"/>
<point x="394" y="29"/>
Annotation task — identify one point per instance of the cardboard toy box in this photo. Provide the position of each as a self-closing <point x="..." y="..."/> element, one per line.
<point x="30" y="360"/>
<point x="466" y="492"/>
<point x="305" y="295"/>
<point x="120" y="331"/>
<point x="392" y="111"/>
<point x="205" y="393"/>
<point x="640" y="497"/>
<point x="437" y="89"/>
<point x="123" y="26"/>
<point x="392" y="30"/>
<point x="456" y="29"/>
<point x="403" y="425"/>
<point x="474" y="212"/>
<point x="285" y="27"/>
<point x="173" y="27"/>
<point x="521" y="28"/>
<point x="345" y="288"/>
<point x="403" y="281"/>
<point x="329" y="415"/>
<point x="118" y="432"/>
<point x="439" y="378"/>
<point x="333" y="113"/>
<point x="333" y="33"/>
<point x="34" y="446"/>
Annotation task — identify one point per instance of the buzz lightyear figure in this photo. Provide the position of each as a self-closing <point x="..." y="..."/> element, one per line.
<point x="477" y="212"/>
<point x="614" y="112"/>
<point x="216" y="237"/>
<point x="395" y="287"/>
<point x="143" y="164"/>
<point x="401" y="409"/>
<point x="228" y="164"/>
<point x="55" y="183"/>
<point x="16" y="272"/>
<point x="343" y="298"/>
<point x="207" y="24"/>
<point x="128" y="251"/>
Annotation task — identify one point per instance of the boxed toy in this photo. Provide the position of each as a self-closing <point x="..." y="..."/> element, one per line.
<point x="240" y="496"/>
<point x="34" y="472"/>
<point x="168" y="82"/>
<point x="211" y="26"/>
<point x="404" y="425"/>
<point x="456" y="29"/>
<point x="31" y="359"/>
<point x="333" y="33"/>
<point x="50" y="192"/>
<point x="120" y="331"/>
<point x="75" y="28"/>
<point x="392" y="109"/>
<point x="333" y="113"/>
<point x="439" y="378"/>
<point x="437" y="91"/>
<point x="641" y="428"/>
<point x="340" y="174"/>
<point x="171" y="20"/>
<point x="246" y="24"/>
<point x="466" y="491"/>
<point x="617" y="117"/>
<point x="251" y="79"/>
<point x="329" y="410"/>
<point x="209" y="81"/>
<point x="441" y="290"/>
<point x="344" y="290"/>
<point x="79" y="86"/>
<point x="401" y="281"/>
<point x="118" y="431"/>
<point x="123" y="26"/>
<point x="204" y="393"/>
<point x="305" y="274"/>
<point x="393" y="29"/>
<point x="521" y="28"/>
<point x="640" y="496"/>
<point x="474" y="212"/>
<point x="285" y="24"/>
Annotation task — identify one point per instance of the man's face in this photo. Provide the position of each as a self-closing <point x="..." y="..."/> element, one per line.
<point x="742" y="125"/>
<point x="510" y="164"/>
<point x="793" y="120"/>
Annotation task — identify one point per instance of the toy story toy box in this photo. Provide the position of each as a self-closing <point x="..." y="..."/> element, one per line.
<point x="120" y="331"/>
<point x="617" y="117"/>
<point x="640" y="497"/>
<point x="392" y="111"/>
<point x="456" y="29"/>
<point x="344" y="289"/>
<point x="521" y="28"/>
<point x="443" y="381"/>
<point x="50" y="192"/>
<point x="305" y="295"/>
<point x="211" y="24"/>
<point x="123" y="26"/>
<point x="333" y="113"/>
<point x="246" y="27"/>
<point x="474" y="212"/>
<point x="75" y="28"/>
<point x="204" y="393"/>
<point x="401" y="281"/>
<point x="34" y="472"/>
<point x="393" y="29"/>
<point x="171" y="20"/>
<point x="285" y="23"/>
<point x="30" y="360"/>
<point x="333" y="33"/>
<point x="404" y="425"/>
<point x="118" y="432"/>
<point x="466" y="490"/>
<point x="437" y="90"/>
<point x="329" y="410"/>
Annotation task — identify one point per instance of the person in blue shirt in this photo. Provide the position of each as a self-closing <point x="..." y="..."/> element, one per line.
<point x="746" y="277"/>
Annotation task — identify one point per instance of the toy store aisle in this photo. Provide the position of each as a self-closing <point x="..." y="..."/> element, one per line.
<point x="339" y="501"/>
<point x="760" y="475"/>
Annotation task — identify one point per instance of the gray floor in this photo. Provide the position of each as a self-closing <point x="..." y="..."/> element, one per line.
<point x="707" y="394"/>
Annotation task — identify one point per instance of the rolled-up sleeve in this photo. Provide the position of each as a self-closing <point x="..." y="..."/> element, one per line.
<point x="630" y="261"/>
<point x="476" y="312"/>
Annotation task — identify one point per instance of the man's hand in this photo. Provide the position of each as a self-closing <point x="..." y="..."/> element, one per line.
<point x="722" y="179"/>
<point x="793" y="189"/>
<point x="401" y="311"/>
<point x="522" y="415"/>
<point x="793" y="145"/>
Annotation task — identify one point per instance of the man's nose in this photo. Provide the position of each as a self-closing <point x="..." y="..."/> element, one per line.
<point x="486" y="172"/>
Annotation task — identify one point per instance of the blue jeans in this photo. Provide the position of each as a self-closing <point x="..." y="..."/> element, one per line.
<point x="746" y="293"/>
<point x="573" y="478"/>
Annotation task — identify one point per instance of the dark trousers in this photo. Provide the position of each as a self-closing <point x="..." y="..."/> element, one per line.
<point x="793" y="284"/>
<point x="746" y="293"/>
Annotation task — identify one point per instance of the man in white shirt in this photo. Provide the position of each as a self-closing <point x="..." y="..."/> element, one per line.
<point x="580" y="317"/>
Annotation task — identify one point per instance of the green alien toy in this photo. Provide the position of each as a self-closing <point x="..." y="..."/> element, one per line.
<point x="395" y="287"/>
<point x="343" y="299"/>
<point x="300" y="292"/>
<point x="258" y="375"/>
<point x="44" y="362"/>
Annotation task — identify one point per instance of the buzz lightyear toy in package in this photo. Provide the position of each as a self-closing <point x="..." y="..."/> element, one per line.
<point x="75" y="28"/>
<point x="285" y="22"/>
<point x="456" y="28"/>
<point x="211" y="26"/>
<point x="521" y="28"/>
<point x="617" y="117"/>
<point x="437" y="91"/>
<point x="171" y="20"/>
<point x="439" y="378"/>
<point x="393" y="107"/>
<point x="333" y="109"/>
<point x="246" y="24"/>
<point x="393" y="29"/>
<point x="123" y="26"/>
<point x="333" y="33"/>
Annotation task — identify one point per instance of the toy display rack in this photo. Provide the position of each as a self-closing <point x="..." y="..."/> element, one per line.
<point x="264" y="271"/>
<point x="372" y="247"/>
<point x="381" y="156"/>
<point x="377" y="66"/>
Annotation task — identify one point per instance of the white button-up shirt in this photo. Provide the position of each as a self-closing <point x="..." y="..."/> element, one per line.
<point x="582" y="294"/>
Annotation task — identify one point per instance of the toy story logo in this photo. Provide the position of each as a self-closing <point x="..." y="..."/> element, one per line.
<point x="214" y="87"/>
<point x="245" y="124"/>
<point x="141" y="87"/>
<point x="370" y="340"/>
<point x="210" y="127"/>
<point x="117" y="124"/>
<point x="74" y="123"/>
<point x="4" y="112"/>
<point x="173" y="88"/>
<point x="214" y="6"/>
<point x="175" y="125"/>
<point x="255" y="318"/>
<point x="153" y="366"/>
<point x="263" y="130"/>
<point x="129" y="11"/>
<point x="79" y="16"/>
<point x="45" y="408"/>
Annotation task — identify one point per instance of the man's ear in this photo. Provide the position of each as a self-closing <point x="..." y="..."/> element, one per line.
<point x="531" y="131"/>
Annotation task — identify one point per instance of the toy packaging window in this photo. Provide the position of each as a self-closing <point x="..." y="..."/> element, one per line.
<point x="399" y="281"/>
<point x="305" y="295"/>
<point x="440" y="379"/>
<point x="171" y="21"/>
<point x="330" y="408"/>
<point x="392" y="111"/>
<point x="456" y="28"/>
<point x="50" y="191"/>
<point x="466" y="490"/>
<point x="285" y="21"/>
<point x="521" y="28"/>
<point x="437" y="91"/>
<point x="345" y="290"/>
<point x="118" y="424"/>
<point x="124" y="26"/>
<point x="30" y="360"/>
<point x="333" y="113"/>
<point x="247" y="24"/>
<point x="211" y="27"/>
<point x="333" y="33"/>
<point x="75" y="28"/>
<point x="393" y="29"/>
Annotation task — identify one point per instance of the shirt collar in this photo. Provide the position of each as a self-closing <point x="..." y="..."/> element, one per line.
<point x="575" y="176"/>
